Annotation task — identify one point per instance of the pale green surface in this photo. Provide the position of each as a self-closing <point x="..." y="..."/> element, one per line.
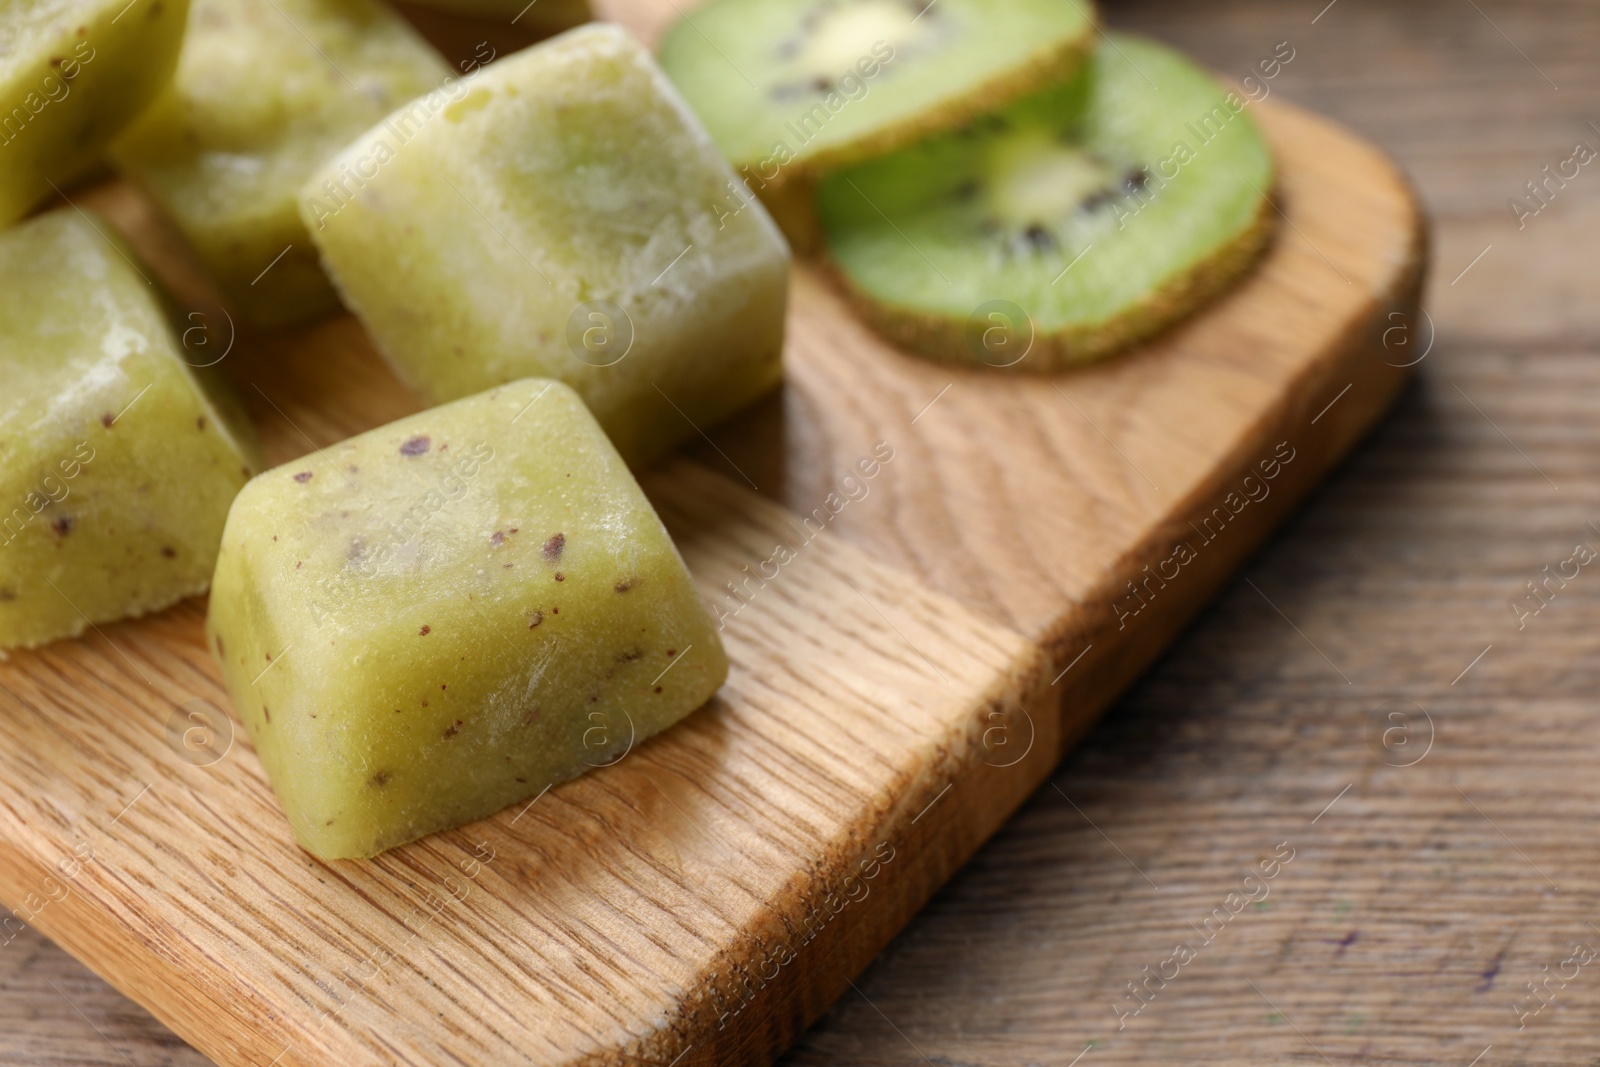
<point x="755" y="69"/>
<point x="116" y="469"/>
<point x="266" y="92"/>
<point x="73" y="73"/>
<point x="943" y="254"/>
<point x="426" y="652"/>
<point x="476" y="222"/>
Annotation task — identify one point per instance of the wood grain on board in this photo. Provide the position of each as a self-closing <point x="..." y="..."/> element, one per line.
<point x="896" y="692"/>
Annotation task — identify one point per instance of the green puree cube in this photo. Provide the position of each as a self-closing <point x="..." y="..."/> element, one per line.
<point x="447" y="614"/>
<point x="266" y="92"/>
<point x="566" y="217"/>
<point x="116" y="467"/>
<point x="72" y="74"/>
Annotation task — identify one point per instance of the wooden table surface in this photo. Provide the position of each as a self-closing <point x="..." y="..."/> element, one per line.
<point x="1362" y="699"/>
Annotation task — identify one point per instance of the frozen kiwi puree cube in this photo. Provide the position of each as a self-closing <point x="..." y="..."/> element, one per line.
<point x="116" y="466"/>
<point x="566" y="217"/>
<point x="72" y="74"/>
<point x="266" y="92"/>
<point x="446" y="615"/>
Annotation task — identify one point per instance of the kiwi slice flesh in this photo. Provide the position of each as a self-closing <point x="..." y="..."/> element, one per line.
<point x="790" y="88"/>
<point x="1063" y="228"/>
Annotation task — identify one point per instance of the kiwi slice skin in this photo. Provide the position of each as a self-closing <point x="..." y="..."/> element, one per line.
<point x="1099" y="212"/>
<point x="785" y="113"/>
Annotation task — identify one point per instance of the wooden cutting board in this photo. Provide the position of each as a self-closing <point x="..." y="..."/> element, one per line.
<point x="897" y="689"/>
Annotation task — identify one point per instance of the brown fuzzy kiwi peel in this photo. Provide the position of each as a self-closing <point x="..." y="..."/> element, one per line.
<point x="792" y="206"/>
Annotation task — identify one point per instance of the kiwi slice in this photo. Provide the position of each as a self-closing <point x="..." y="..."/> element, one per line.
<point x="1063" y="228"/>
<point x="789" y="88"/>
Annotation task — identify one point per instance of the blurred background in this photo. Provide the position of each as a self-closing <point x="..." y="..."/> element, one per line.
<point x="1436" y="911"/>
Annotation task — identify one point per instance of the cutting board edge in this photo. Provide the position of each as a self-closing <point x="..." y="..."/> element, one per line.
<point x="1356" y="355"/>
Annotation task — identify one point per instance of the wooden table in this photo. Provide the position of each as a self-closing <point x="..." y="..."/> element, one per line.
<point x="1429" y="883"/>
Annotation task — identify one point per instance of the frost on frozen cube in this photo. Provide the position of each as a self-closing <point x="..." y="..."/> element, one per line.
<point x="565" y="217"/>
<point x="266" y="92"/>
<point x="116" y="465"/>
<point x="448" y="614"/>
<point x="73" y="73"/>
